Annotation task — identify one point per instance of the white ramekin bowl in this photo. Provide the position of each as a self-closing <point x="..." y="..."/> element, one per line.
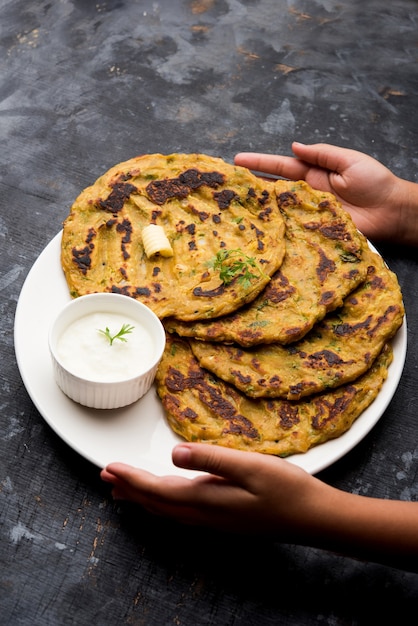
<point x="88" y="388"/>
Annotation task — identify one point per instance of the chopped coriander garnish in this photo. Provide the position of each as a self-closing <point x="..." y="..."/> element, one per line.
<point x="125" y="330"/>
<point x="234" y="264"/>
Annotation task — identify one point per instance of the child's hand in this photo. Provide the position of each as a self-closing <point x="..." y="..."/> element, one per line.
<point x="382" y="205"/>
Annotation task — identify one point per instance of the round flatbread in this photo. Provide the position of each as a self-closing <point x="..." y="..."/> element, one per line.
<point x="200" y="407"/>
<point x="324" y="262"/>
<point x="222" y="235"/>
<point x="337" y="350"/>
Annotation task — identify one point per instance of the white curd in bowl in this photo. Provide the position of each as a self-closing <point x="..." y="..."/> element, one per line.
<point x="94" y="367"/>
<point x="86" y="352"/>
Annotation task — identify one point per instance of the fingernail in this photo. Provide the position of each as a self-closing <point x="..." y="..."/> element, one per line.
<point x="181" y="455"/>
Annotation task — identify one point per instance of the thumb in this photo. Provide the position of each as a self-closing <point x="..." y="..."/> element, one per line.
<point x="234" y="465"/>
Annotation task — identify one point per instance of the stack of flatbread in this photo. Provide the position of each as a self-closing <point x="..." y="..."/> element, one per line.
<point x="278" y="314"/>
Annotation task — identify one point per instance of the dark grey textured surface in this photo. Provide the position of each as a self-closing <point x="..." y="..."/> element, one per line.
<point x="85" y="84"/>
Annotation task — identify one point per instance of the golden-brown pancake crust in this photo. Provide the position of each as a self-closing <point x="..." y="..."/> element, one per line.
<point x="206" y="207"/>
<point x="324" y="262"/>
<point x="200" y="407"/>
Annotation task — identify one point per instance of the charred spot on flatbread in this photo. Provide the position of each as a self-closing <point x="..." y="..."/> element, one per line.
<point x="204" y="205"/>
<point x="201" y="407"/>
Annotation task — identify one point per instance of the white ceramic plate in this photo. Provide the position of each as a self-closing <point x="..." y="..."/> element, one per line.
<point x="138" y="434"/>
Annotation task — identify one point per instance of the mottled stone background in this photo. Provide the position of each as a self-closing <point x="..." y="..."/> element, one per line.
<point x="85" y="84"/>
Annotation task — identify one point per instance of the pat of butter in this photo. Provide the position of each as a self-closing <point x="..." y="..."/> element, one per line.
<point x="155" y="241"/>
